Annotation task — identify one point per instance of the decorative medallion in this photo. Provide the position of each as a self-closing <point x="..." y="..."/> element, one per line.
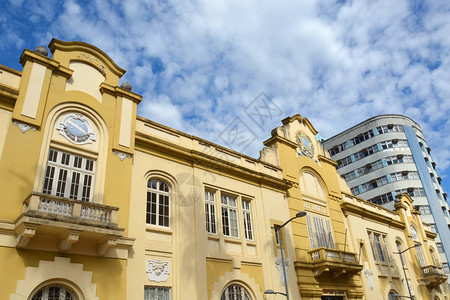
<point x="121" y="155"/>
<point x="158" y="270"/>
<point x="24" y="127"/>
<point x="305" y="144"/>
<point x="77" y="129"/>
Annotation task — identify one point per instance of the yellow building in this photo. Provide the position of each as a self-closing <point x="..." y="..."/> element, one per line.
<point x="99" y="203"/>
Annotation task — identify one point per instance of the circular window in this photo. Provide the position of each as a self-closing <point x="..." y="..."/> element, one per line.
<point x="54" y="292"/>
<point x="235" y="291"/>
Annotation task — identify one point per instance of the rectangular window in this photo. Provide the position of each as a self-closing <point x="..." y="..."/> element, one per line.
<point x="229" y="216"/>
<point x="277" y="237"/>
<point x="247" y="217"/>
<point x="69" y="176"/>
<point x="210" y="212"/>
<point x="379" y="246"/>
<point x="319" y="231"/>
<point x="446" y="268"/>
<point x="433" y="228"/>
<point x="156" y="293"/>
<point x="439" y="248"/>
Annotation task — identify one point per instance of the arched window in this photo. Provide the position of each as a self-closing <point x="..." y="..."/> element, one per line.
<point x="320" y="231"/>
<point x="414" y="233"/>
<point x="235" y="292"/>
<point x="400" y="249"/>
<point x="433" y="257"/>
<point x="158" y="196"/>
<point x="54" y="292"/>
<point x="418" y="248"/>
<point x="393" y="295"/>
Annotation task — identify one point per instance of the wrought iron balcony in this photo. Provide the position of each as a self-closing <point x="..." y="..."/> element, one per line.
<point x="68" y="221"/>
<point x="334" y="262"/>
<point x="433" y="275"/>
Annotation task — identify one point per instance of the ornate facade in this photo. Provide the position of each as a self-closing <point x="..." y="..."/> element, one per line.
<point x="99" y="203"/>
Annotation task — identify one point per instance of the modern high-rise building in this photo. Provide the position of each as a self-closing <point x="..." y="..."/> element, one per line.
<point x="388" y="155"/>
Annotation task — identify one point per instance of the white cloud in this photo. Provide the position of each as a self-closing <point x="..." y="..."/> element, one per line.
<point x="335" y="62"/>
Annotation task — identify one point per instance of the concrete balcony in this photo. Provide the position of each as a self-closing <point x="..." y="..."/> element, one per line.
<point x="433" y="276"/>
<point x="48" y="220"/>
<point x="334" y="262"/>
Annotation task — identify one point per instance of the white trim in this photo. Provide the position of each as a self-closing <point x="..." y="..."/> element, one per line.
<point x="126" y="119"/>
<point x="34" y="90"/>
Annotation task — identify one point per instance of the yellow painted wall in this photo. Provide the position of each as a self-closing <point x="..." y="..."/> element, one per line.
<point x="108" y="274"/>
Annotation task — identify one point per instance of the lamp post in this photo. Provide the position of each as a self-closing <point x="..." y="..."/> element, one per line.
<point x="271" y="292"/>
<point x="403" y="267"/>
<point x="277" y="229"/>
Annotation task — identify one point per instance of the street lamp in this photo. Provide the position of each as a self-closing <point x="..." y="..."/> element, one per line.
<point x="403" y="266"/>
<point x="271" y="292"/>
<point x="277" y="233"/>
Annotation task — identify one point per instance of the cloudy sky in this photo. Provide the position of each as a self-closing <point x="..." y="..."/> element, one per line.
<point x="200" y="65"/>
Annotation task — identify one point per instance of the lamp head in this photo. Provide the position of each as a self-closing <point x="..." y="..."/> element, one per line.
<point x="269" y="292"/>
<point x="300" y="214"/>
<point x="417" y="244"/>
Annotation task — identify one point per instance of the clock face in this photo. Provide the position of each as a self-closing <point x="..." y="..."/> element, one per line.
<point x="305" y="144"/>
<point x="77" y="129"/>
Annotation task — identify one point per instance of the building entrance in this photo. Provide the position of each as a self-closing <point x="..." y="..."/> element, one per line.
<point x="332" y="298"/>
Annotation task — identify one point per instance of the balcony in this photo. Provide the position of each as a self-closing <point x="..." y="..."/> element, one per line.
<point x="433" y="276"/>
<point x="334" y="262"/>
<point x="48" y="220"/>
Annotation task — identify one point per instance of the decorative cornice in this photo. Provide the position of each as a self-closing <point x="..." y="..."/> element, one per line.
<point x="281" y="140"/>
<point x="327" y="160"/>
<point x="350" y="208"/>
<point x="86" y="48"/>
<point x="29" y="55"/>
<point x="300" y="119"/>
<point x="209" y="162"/>
<point x="8" y="94"/>
<point x="120" y="92"/>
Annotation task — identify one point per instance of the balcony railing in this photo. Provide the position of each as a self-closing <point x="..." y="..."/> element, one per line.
<point x="334" y="261"/>
<point x="68" y="221"/>
<point x="433" y="275"/>
<point x="47" y="204"/>
<point x="432" y="270"/>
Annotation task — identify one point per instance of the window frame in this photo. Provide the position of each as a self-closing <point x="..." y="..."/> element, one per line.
<point x="247" y="219"/>
<point x="159" y="193"/>
<point x="157" y="290"/>
<point x="53" y="184"/>
<point x="244" y="294"/>
<point x="243" y="228"/>
<point x="227" y="208"/>
<point x="45" y="290"/>
<point x="324" y="232"/>
<point x="380" y="246"/>
<point x="211" y="212"/>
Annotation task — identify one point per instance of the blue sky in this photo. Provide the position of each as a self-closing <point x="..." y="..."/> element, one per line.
<point x="200" y="64"/>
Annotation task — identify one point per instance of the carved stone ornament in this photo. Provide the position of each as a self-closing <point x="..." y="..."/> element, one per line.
<point x="369" y="276"/>
<point x="158" y="270"/>
<point x="93" y="60"/>
<point x="280" y="267"/>
<point x="305" y="145"/>
<point x="24" y="127"/>
<point x="122" y="155"/>
<point x="77" y="129"/>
